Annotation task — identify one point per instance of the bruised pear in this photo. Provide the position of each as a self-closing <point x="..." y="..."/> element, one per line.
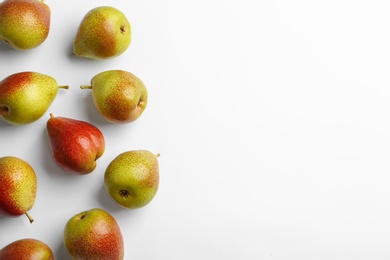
<point x="18" y="187"/>
<point x="26" y="249"/>
<point x="26" y="96"/>
<point x="119" y="96"/>
<point x="93" y="234"/>
<point x="103" y="33"/>
<point x="75" y="145"/>
<point x="24" y="24"/>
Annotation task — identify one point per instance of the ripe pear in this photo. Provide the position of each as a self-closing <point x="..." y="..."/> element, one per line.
<point x="26" y="249"/>
<point x="24" y="24"/>
<point x="26" y="96"/>
<point x="119" y="96"/>
<point x="18" y="187"/>
<point x="132" y="178"/>
<point x="103" y="33"/>
<point x="93" y="235"/>
<point x="75" y="145"/>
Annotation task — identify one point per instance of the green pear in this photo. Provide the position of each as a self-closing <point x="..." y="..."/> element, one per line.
<point x="26" y="249"/>
<point x="18" y="187"/>
<point x="75" y="145"/>
<point x="119" y="96"/>
<point x="24" y="24"/>
<point x="103" y="33"/>
<point x="93" y="235"/>
<point x="132" y="178"/>
<point x="26" y="96"/>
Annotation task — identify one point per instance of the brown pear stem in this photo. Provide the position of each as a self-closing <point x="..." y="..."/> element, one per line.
<point x="85" y="87"/>
<point x="64" y="87"/>
<point x="51" y="115"/>
<point x="29" y="217"/>
<point x="157" y="155"/>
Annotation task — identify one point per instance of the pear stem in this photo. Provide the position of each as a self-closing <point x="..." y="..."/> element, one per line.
<point x="85" y="87"/>
<point x="29" y="217"/>
<point x="64" y="87"/>
<point x="157" y="155"/>
<point x="51" y="115"/>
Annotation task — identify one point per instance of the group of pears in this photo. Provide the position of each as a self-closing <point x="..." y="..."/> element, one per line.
<point x="131" y="179"/>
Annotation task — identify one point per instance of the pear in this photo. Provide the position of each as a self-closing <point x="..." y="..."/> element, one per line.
<point x="132" y="178"/>
<point x="93" y="235"/>
<point x="103" y="33"/>
<point x="18" y="187"/>
<point x="26" y="249"/>
<point x="26" y="96"/>
<point x="75" y="145"/>
<point x="119" y="96"/>
<point x="24" y="24"/>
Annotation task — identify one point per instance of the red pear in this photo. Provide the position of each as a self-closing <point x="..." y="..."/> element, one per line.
<point x="26" y="249"/>
<point x="75" y="144"/>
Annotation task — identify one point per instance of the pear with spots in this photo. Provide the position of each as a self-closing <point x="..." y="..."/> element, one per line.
<point x="26" y="96"/>
<point x="103" y="33"/>
<point x="24" y="24"/>
<point x="18" y="187"/>
<point x="26" y="249"/>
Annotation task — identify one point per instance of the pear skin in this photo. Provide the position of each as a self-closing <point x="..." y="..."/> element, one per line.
<point x="103" y="33"/>
<point x="26" y="249"/>
<point x="119" y="96"/>
<point x="132" y="178"/>
<point x="93" y="234"/>
<point x="18" y="187"/>
<point x="26" y="96"/>
<point x="75" y="145"/>
<point x="24" y="24"/>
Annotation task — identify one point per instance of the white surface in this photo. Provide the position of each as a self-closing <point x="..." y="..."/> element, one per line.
<point x="271" y="118"/>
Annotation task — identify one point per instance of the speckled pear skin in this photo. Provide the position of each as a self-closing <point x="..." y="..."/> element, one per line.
<point x="119" y="96"/>
<point x="75" y="145"/>
<point x="24" y="24"/>
<point x="26" y="249"/>
<point x="93" y="235"/>
<point x="103" y="33"/>
<point x="18" y="186"/>
<point x="132" y="178"/>
<point x="26" y="96"/>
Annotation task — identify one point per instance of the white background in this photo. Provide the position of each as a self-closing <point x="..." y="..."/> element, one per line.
<point x="272" y="119"/>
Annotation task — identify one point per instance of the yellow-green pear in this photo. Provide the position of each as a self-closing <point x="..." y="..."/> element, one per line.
<point x="118" y="95"/>
<point x="132" y="178"/>
<point x="18" y="187"/>
<point x="26" y="249"/>
<point x="24" y="24"/>
<point x="26" y="96"/>
<point x="103" y="33"/>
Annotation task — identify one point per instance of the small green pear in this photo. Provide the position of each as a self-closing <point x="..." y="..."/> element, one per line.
<point x="93" y="234"/>
<point x="26" y="96"/>
<point x="26" y="249"/>
<point x="18" y="187"/>
<point x="132" y="178"/>
<point x="119" y="96"/>
<point x="24" y="24"/>
<point x="103" y="33"/>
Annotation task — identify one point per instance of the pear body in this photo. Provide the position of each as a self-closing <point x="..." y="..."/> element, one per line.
<point x="24" y="24"/>
<point x="18" y="186"/>
<point x="103" y="33"/>
<point x="119" y="96"/>
<point x="75" y="145"/>
<point x="93" y="235"/>
<point x="26" y="249"/>
<point x="132" y="178"/>
<point x="26" y="96"/>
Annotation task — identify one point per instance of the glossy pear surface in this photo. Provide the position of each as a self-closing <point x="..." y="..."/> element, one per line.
<point x="119" y="96"/>
<point x="93" y="234"/>
<point x="132" y="178"/>
<point x="24" y="24"/>
<point x="103" y="33"/>
<point x="75" y="145"/>
<point x="18" y="187"/>
<point x="26" y="249"/>
<point x="26" y="96"/>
